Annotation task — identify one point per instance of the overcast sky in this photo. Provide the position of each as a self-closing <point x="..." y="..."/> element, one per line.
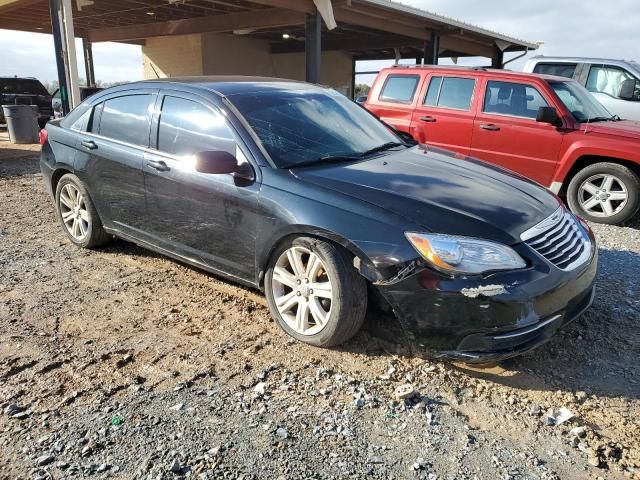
<point x="585" y="28"/>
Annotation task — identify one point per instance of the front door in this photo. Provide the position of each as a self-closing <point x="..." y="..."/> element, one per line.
<point x="505" y="131"/>
<point x="207" y="218"/>
<point x="444" y="116"/>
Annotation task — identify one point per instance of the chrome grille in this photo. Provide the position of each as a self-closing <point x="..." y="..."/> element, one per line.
<point x="560" y="239"/>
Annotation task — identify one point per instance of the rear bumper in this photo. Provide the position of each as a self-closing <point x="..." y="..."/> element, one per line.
<point x="439" y="315"/>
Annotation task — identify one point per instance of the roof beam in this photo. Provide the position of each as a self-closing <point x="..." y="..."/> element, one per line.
<point x="385" y="25"/>
<point x="351" y="44"/>
<point x="265" y="18"/>
<point x="469" y="46"/>
<point x="302" y="6"/>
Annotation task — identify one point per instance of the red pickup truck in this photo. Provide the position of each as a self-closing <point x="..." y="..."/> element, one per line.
<point x="549" y="129"/>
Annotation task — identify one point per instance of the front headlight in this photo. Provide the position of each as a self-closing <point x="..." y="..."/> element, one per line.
<point x="454" y="254"/>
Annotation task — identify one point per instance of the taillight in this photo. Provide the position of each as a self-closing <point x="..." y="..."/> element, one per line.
<point x="43" y="136"/>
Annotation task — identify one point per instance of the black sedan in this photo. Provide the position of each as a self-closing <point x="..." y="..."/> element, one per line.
<point x="294" y="189"/>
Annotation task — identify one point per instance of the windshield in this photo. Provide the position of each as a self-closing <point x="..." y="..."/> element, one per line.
<point x="303" y="126"/>
<point x="22" y="86"/>
<point x="583" y="106"/>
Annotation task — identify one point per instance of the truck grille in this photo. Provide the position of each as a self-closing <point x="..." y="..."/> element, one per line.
<point x="560" y="239"/>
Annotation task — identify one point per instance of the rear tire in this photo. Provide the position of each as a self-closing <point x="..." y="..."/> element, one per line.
<point x="335" y="311"/>
<point x="77" y="214"/>
<point x="604" y="192"/>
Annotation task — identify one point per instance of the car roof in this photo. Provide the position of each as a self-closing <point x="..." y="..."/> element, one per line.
<point x="228" y="85"/>
<point x="480" y="71"/>
<point x="614" y="61"/>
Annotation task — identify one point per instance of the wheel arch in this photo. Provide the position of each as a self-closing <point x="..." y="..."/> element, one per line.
<point x="363" y="265"/>
<point x="586" y="160"/>
<point x="57" y="174"/>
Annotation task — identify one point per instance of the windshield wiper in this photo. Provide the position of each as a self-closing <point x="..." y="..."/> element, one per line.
<point x="350" y="157"/>
<point x="383" y="147"/>
<point x="328" y="159"/>
<point x="599" y="119"/>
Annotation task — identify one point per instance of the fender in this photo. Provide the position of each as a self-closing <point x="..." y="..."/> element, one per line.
<point x="598" y="147"/>
<point x="364" y="264"/>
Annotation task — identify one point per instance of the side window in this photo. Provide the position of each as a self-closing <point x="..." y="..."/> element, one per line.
<point x="513" y="99"/>
<point x="431" y="99"/>
<point x="187" y="127"/>
<point x="605" y="79"/>
<point x="558" y="69"/>
<point x="81" y="123"/>
<point x="127" y="119"/>
<point x="450" y="92"/>
<point x="399" y="88"/>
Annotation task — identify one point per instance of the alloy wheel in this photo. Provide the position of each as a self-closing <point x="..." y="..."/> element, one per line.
<point x="302" y="290"/>
<point x="603" y="195"/>
<point x="73" y="210"/>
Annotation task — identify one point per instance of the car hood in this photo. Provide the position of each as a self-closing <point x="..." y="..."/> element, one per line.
<point x="624" y="128"/>
<point x="441" y="192"/>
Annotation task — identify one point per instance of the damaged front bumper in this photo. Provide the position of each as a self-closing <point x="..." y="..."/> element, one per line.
<point x="489" y="318"/>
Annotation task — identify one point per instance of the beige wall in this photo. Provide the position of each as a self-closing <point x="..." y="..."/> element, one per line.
<point x="172" y="56"/>
<point x="220" y="54"/>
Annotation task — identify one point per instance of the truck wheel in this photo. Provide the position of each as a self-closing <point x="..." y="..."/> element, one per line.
<point x="604" y="193"/>
<point x="314" y="292"/>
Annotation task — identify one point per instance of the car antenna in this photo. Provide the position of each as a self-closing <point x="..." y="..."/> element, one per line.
<point x="154" y="70"/>
<point x="586" y="129"/>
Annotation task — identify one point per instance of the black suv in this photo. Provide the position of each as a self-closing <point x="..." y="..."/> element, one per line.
<point x="26" y="91"/>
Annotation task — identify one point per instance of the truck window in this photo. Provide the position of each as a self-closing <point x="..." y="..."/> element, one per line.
<point x="558" y="69"/>
<point x="513" y="99"/>
<point x="607" y="79"/>
<point x="450" y="92"/>
<point x="399" y="88"/>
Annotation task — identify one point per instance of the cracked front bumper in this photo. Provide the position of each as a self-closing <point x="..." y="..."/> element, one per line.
<point x="534" y="303"/>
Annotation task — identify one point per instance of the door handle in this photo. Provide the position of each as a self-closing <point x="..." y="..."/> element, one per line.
<point x="90" y="144"/>
<point x="428" y="118"/>
<point x="158" y="165"/>
<point x="491" y="127"/>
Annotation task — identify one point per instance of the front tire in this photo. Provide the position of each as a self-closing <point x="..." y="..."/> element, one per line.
<point x="314" y="292"/>
<point x="604" y="193"/>
<point x="77" y="214"/>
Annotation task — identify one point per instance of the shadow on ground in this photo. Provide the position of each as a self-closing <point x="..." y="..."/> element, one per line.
<point x="599" y="353"/>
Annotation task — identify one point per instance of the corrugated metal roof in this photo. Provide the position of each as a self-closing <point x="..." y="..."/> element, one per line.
<point x="434" y="17"/>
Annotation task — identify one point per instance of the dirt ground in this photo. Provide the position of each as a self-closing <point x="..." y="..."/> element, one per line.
<point x="79" y="327"/>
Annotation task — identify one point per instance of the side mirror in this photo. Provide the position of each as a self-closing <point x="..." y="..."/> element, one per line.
<point x="628" y="89"/>
<point x="219" y="162"/>
<point x="548" y="115"/>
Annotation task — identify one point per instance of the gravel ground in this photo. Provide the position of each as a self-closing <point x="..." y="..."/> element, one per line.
<point x="119" y="363"/>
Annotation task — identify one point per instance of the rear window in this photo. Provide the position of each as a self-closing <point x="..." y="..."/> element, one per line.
<point x="399" y="88"/>
<point x="557" y="69"/>
<point x="127" y="119"/>
<point x="24" y="86"/>
<point x="450" y="92"/>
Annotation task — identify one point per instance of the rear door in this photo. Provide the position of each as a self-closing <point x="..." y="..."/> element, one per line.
<point x="444" y="115"/>
<point x="505" y="131"/>
<point x="208" y="218"/>
<point x="110" y="156"/>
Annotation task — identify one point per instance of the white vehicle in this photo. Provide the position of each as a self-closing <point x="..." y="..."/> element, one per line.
<point x="615" y="83"/>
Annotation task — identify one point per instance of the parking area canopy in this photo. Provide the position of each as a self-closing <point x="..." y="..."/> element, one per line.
<point x="369" y="29"/>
